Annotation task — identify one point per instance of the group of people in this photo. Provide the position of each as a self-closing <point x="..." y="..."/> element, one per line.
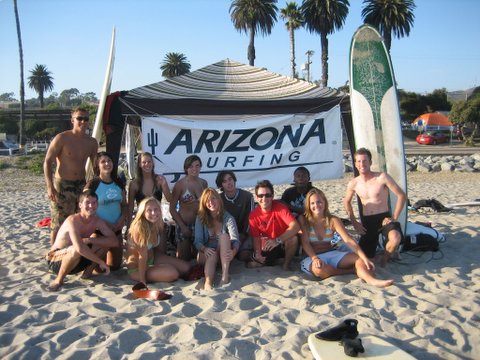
<point x="211" y="227"/>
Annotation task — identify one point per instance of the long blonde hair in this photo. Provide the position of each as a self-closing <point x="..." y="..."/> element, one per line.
<point x="142" y="231"/>
<point x="204" y="214"/>
<point x="328" y="218"/>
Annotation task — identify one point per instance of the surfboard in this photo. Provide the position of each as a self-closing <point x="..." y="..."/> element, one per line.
<point x="469" y="203"/>
<point x="375" y="111"/>
<point x="375" y="348"/>
<point x="107" y="83"/>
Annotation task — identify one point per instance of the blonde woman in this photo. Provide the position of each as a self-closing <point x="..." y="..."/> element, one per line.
<point x="324" y="257"/>
<point x="143" y="236"/>
<point x="216" y="236"/>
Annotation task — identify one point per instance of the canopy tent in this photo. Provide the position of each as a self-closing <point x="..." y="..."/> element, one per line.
<point x="223" y="88"/>
<point x="432" y="120"/>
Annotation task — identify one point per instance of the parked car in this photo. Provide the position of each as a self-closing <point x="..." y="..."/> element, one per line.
<point x="466" y="131"/>
<point x="7" y="148"/>
<point x="432" y="138"/>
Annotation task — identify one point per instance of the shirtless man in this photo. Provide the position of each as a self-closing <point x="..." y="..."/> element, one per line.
<point x="373" y="188"/>
<point x="186" y="192"/>
<point x="76" y="247"/>
<point x="70" y="150"/>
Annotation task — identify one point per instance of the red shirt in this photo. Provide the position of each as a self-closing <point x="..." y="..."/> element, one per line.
<point x="272" y="223"/>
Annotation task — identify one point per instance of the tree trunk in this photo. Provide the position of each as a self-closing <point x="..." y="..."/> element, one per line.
<point x="251" y="48"/>
<point x="22" y="84"/>
<point x="292" y="52"/>
<point x="324" y="45"/>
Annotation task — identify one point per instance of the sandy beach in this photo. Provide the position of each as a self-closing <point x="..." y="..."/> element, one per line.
<point x="432" y="311"/>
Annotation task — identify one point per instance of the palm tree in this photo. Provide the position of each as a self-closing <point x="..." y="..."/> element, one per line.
<point x="324" y="17"/>
<point x="22" y="83"/>
<point x="291" y="13"/>
<point x="174" y="64"/>
<point x="253" y="16"/>
<point x="389" y="16"/>
<point x="40" y="81"/>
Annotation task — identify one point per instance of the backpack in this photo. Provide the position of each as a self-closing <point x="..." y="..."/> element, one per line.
<point x="420" y="242"/>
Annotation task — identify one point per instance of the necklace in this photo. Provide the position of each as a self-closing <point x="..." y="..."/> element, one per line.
<point x="232" y="200"/>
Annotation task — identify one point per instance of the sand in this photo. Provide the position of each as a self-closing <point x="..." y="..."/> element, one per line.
<point x="432" y="311"/>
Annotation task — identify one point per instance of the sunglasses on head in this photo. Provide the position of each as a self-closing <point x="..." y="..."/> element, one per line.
<point x="82" y="118"/>
<point x="261" y="196"/>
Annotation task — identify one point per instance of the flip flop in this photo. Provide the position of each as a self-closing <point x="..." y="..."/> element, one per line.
<point x="140" y="291"/>
<point x="44" y="222"/>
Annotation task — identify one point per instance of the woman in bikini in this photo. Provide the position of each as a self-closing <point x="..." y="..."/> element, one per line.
<point x="145" y="184"/>
<point x="186" y="193"/>
<point x="143" y="236"/>
<point x="324" y="257"/>
<point x="112" y="207"/>
<point x="216" y="236"/>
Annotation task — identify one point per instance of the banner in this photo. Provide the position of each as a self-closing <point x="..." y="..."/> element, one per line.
<point x="255" y="147"/>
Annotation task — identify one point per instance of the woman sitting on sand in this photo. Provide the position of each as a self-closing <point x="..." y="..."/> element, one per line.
<point x="143" y="236"/>
<point x="112" y="207"/>
<point x="216" y="236"/>
<point x="324" y="259"/>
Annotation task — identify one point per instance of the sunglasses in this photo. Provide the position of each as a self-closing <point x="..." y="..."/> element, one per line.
<point x="82" y="118"/>
<point x="261" y="196"/>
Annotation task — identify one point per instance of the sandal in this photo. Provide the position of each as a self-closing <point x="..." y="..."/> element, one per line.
<point x="140" y="291"/>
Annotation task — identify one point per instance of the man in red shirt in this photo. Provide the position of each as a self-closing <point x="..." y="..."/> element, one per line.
<point x="273" y="228"/>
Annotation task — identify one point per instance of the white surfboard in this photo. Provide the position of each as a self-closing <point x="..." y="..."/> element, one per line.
<point x="107" y="83"/>
<point x="469" y="203"/>
<point x="375" y="348"/>
<point x="375" y="111"/>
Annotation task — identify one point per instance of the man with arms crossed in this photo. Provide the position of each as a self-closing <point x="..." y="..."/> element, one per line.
<point x="77" y="247"/>
<point x="273" y="228"/>
<point x="70" y="150"/>
<point x="239" y="203"/>
<point x="373" y="190"/>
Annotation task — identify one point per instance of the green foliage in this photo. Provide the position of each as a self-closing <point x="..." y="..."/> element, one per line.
<point x="466" y="111"/>
<point x="8" y="97"/>
<point x="32" y="162"/>
<point x="47" y="133"/>
<point x="4" y="165"/>
<point x="413" y="104"/>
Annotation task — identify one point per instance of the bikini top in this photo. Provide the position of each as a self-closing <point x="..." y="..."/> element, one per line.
<point x="156" y="193"/>
<point x="312" y="236"/>
<point x="150" y="246"/>
<point x="187" y="196"/>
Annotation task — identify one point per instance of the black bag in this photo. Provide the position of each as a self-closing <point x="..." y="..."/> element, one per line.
<point x="420" y="242"/>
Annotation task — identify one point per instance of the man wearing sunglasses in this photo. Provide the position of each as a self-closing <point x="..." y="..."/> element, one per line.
<point x="69" y="151"/>
<point x="273" y="228"/>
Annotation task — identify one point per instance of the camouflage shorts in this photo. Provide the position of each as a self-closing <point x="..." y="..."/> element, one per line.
<point x="67" y="200"/>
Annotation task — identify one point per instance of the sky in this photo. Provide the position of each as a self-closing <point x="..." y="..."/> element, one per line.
<point x="72" y="39"/>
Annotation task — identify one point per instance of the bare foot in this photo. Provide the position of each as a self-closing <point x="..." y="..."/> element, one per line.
<point x="54" y="287"/>
<point x="253" y="264"/>
<point x="225" y="280"/>
<point x="286" y="267"/>
<point x="87" y="273"/>
<point x="208" y="286"/>
<point x="200" y="285"/>
<point x="381" y="283"/>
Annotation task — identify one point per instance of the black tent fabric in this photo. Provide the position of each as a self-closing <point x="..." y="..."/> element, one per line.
<point x="223" y="88"/>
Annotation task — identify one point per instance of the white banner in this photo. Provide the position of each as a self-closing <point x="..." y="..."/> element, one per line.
<point x="254" y="147"/>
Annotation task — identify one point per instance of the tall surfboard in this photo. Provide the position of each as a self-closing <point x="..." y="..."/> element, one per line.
<point x="107" y="83"/>
<point x="375" y="111"/>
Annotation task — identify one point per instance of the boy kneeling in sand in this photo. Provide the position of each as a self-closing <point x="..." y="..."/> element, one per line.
<point x="77" y="247"/>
